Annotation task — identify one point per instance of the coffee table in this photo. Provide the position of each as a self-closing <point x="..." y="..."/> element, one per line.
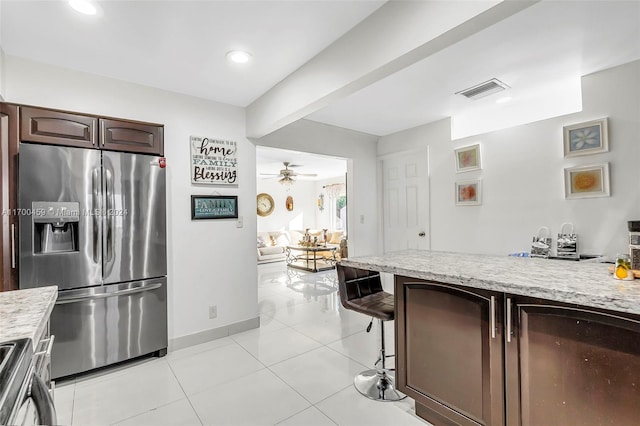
<point x="308" y="259"/>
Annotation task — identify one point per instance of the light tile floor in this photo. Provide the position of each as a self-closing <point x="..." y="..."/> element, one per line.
<point x="296" y="369"/>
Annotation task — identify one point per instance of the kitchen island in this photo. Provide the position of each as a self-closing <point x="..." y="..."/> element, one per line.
<point x="489" y="340"/>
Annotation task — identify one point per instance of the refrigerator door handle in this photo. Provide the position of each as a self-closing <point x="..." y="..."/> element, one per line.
<point x="124" y="292"/>
<point x="95" y="205"/>
<point x="110" y="218"/>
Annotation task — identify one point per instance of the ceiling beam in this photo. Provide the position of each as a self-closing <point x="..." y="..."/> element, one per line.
<point x="398" y="34"/>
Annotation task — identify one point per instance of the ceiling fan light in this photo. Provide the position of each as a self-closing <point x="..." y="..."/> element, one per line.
<point x="286" y="181"/>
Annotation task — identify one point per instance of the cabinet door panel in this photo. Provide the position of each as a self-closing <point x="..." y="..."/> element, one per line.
<point x="450" y="362"/>
<point x="131" y="137"/>
<point x="576" y="366"/>
<point x="58" y="128"/>
<point x="9" y="135"/>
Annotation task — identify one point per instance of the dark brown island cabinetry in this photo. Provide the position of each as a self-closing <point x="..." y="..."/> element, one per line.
<point x="475" y="357"/>
<point x="449" y="354"/>
<point x="56" y="127"/>
<point x="571" y="365"/>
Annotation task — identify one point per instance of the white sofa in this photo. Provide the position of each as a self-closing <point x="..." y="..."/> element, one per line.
<point x="271" y="245"/>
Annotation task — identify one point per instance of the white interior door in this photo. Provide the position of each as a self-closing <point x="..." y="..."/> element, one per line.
<point x="406" y="201"/>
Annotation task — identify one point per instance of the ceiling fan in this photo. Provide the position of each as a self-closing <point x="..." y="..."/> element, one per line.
<point x="286" y="175"/>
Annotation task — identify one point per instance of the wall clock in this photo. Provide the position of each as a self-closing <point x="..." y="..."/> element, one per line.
<point x="265" y="204"/>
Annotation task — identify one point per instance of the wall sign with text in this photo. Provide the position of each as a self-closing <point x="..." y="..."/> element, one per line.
<point x="214" y="207"/>
<point x="213" y="161"/>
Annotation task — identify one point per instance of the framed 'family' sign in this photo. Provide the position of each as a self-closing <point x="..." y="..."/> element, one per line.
<point x="213" y="161"/>
<point x="214" y="207"/>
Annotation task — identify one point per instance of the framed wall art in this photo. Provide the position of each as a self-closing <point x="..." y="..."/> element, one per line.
<point x="586" y="138"/>
<point x="587" y="181"/>
<point x="468" y="193"/>
<point x="468" y="158"/>
<point x="214" y="207"/>
<point x="213" y="161"/>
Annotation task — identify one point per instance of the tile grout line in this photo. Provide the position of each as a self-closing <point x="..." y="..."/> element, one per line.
<point x="185" y="394"/>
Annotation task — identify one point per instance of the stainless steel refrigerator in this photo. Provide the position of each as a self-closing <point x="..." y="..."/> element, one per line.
<point x="93" y="223"/>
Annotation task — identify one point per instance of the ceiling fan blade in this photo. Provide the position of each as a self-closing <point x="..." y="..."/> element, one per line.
<point x="306" y="174"/>
<point x="269" y="174"/>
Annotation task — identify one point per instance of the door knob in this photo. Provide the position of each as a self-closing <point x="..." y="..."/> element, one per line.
<point x="421" y="234"/>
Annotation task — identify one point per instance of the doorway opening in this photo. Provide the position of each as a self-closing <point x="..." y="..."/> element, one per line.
<point x="308" y="190"/>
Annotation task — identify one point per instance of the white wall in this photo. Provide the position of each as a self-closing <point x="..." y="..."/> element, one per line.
<point x="523" y="178"/>
<point x="2" y="75"/>
<point x="303" y="214"/>
<point x="209" y="262"/>
<point x="360" y="149"/>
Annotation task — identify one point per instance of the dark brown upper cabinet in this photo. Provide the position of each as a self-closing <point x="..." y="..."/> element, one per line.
<point x="59" y="128"/>
<point x="144" y="138"/>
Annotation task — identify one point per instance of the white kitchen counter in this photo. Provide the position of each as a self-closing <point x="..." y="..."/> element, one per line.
<point x="582" y="283"/>
<point x="25" y="313"/>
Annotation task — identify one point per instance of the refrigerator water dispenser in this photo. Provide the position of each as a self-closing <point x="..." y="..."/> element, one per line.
<point x="55" y="227"/>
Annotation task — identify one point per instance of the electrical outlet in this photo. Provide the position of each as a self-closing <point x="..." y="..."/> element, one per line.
<point x="213" y="311"/>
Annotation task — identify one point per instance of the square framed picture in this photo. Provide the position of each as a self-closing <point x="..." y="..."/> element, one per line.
<point x="469" y="193"/>
<point x="468" y="158"/>
<point x="214" y="207"/>
<point x="587" y="181"/>
<point x="586" y="138"/>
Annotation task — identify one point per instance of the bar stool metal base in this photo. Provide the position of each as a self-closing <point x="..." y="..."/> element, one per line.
<point x="377" y="385"/>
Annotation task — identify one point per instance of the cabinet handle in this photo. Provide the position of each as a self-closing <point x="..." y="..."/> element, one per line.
<point x="492" y="316"/>
<point x="508" y="320"/>
<point x="47" y="351"/>
<point x="13" y="246"/>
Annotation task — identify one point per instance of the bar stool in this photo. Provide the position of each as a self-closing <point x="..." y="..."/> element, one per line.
<point x="361" y="291"/>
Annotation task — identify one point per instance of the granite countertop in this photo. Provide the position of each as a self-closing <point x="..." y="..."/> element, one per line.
<point x="25" y="313"/>
<point x="582" y="283"/>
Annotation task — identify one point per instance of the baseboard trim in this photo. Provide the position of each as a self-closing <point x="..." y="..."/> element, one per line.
<point x="212" y="334"/>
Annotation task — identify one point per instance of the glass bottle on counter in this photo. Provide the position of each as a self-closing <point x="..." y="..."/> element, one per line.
<point x="622" y="269"/>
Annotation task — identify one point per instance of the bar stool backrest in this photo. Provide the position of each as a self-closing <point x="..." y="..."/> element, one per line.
<point x="355" y="283"/>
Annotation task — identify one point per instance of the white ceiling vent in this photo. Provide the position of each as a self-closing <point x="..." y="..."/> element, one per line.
<point x="483" y="89"/>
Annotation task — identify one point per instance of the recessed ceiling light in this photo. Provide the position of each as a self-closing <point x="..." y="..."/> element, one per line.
<point x="238" y="56"/>
<point x="83" y="6"/>
<point x="503" y="100"/>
